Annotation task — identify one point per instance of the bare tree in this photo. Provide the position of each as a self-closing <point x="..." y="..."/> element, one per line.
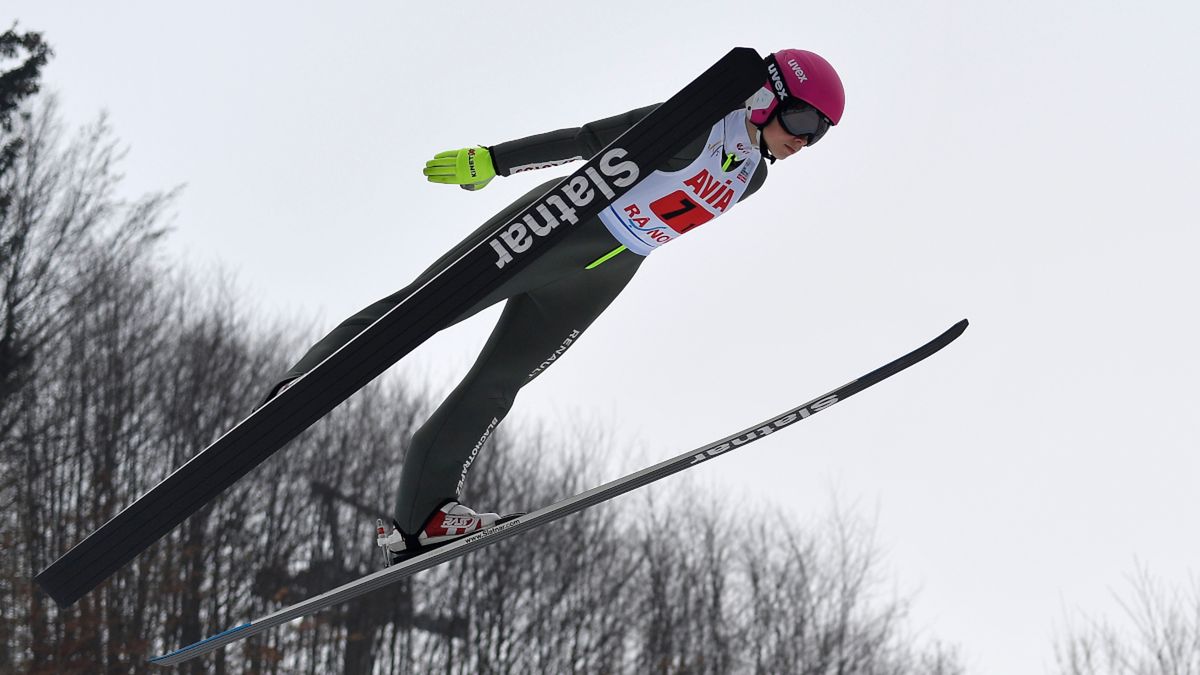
<point x="1160" y="635"/>
<point x="777" y="597"/>
<point x="16" y="85"/>
<point x="68" y="243"/>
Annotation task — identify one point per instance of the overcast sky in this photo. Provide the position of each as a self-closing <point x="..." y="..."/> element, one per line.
<point x="1030" y="165"/>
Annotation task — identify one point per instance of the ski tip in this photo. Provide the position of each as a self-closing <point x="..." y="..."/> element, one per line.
<point x="950" y="335"/>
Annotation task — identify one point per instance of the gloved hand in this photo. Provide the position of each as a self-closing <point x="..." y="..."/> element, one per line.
<point x="469" y="168"/>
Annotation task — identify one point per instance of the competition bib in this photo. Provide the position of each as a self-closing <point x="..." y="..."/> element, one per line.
<point x="664" y="205"/>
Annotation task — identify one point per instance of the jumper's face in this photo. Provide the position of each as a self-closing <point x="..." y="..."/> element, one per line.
<point x="780" y="142"/>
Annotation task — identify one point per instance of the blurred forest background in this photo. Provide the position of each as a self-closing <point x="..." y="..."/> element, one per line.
<point x="116" y="364"/>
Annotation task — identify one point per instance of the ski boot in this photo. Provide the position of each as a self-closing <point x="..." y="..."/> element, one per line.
<point x="449" y="523"/>
<point x="276" y="390"/>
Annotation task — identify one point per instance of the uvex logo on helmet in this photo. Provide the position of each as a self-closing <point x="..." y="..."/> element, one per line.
<point x="781" y="89"/>
<point x="777" y="81"/>
<point x="797" y="70"/>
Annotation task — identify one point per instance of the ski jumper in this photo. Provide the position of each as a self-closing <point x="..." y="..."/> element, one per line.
<point x="551" y="302"/>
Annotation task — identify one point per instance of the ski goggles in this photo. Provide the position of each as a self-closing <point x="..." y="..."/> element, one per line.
<point x="801" y="119"/>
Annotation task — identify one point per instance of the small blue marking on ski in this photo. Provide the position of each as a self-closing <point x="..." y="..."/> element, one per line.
<point x="197" y="644"/>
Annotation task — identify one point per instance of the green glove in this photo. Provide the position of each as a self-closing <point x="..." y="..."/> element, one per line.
<point x="470" y="168"/>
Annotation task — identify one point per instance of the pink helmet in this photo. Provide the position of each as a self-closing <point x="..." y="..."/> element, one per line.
<point x="795" y="73"/>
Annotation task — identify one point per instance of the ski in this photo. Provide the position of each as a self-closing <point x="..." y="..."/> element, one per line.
<point x="463" y="281"/>
<point x="596" y="495"/>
